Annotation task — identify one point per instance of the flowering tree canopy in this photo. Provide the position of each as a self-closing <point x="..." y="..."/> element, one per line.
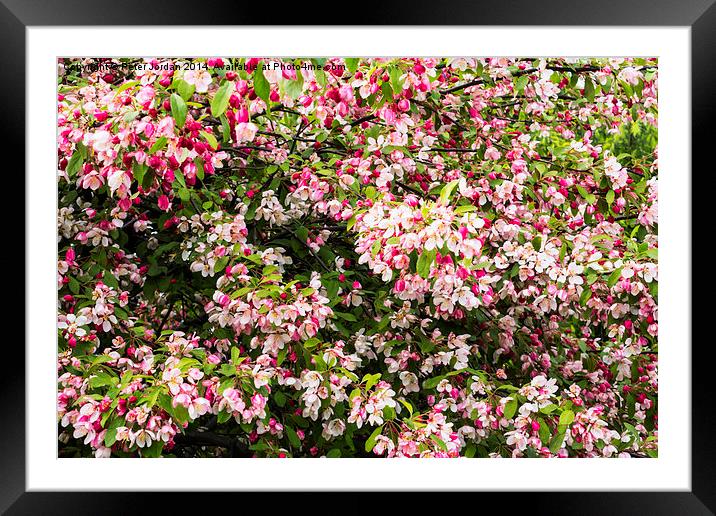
<point x="349" y="257"/>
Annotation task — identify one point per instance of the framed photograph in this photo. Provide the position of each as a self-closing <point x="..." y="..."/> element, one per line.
<point x="258" y="257"/>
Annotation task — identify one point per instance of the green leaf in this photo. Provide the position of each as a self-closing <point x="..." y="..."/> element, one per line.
<point x="138" y="171"/>
<point x="347" y="316"/>
<point x="225" y="129"/>
<point x="131" y="115"/>
<point x="251" y="212"/>
<point x="371" y="380"/>
<point x="586" y="195"/>
<point x="320" y="77"/>
<point x="122" y="313"/>
<point x="227" y="382"/>
<point x="537" y="243"/>
<point x="293" y="437"/>
<point x="447" y="190"/>
<point x="543" y="431"/>
<point x="333" y="453"/>
<point x="151" y="399"/>
<point x="199" y="168"/>
<point x="110" y="437"/>
<point x="184" y="89"/>
<point x="179" y="109"/>
<point x="154" y="451"/>
<point x="73" y="166"/>
<point x="566" y="417"/>
<point x="221" y="99"/>
<point x="370" y="443"/>
<point x="261" y="85"/>
<point x="294" y="88"/>
<point x="395" y="83"/>
<point x="510" y="408"/>
<point x="387" y="93"/>
<point x="351" y="63"/>
<point x="425" y="260"/>
<point x="465" y="208"/>
<point x="426" y="346"/>
<point x="110" y="281"/>
<point x="210" y="139"/>
<point x="588" y="89"/>
<point x="521" y="82"/>
<point x="431" y="383"/>
<point x="311" y="343"/>
<point x="389" y="413"/>
<point x="614" y="277"/>
<point x="102" y="380"/>
<point x="124" y="86"/>
<point x="610" y="197"/>
<point x="439" y="442"/>
<point x="280" y="398"/>
<point x="158" y="145"/>
<point x="563" y="251"/>
<point x="586" y="296"/>
<point x="407" y="405"/>
<point x="74" y="286"/>
<point x="101" y="359"/>
<point x="548" y="409"/>
<point x="556" y="443"/>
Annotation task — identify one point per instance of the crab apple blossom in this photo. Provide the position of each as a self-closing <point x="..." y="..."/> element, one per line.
<point x="391" y="257"/>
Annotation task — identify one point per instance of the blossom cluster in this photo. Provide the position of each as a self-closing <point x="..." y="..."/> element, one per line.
<point x="395" y="257"/>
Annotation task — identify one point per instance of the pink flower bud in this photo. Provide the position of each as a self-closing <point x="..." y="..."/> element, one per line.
<point x="164" y="203"/>
<point x="242" y="87"/>
<point x="242" y="116"/>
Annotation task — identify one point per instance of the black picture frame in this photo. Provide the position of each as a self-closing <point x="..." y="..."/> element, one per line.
<point x="699" y="15"/>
